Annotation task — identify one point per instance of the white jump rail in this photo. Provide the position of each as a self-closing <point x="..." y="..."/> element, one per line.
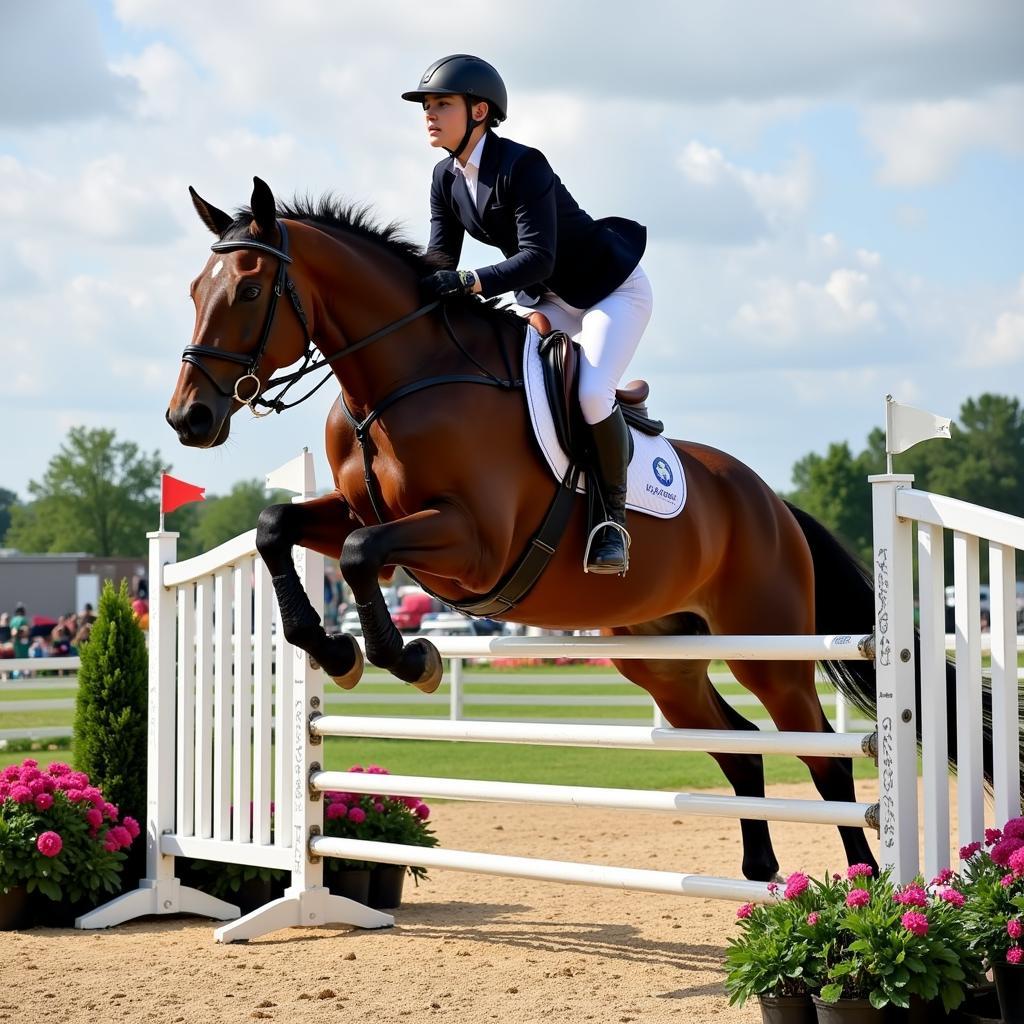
<point x="237" y="724"/>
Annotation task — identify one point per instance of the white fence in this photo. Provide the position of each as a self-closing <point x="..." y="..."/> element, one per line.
<point x="227" y="731"/>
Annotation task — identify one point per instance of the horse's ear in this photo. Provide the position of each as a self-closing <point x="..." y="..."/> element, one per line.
<point x="216" y="220"/>
<point x="264" y="209"/>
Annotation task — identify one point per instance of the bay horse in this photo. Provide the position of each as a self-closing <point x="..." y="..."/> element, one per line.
<point x="447" y="481"/>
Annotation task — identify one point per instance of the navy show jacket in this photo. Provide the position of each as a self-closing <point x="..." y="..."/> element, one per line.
<point x="524" y="209"/>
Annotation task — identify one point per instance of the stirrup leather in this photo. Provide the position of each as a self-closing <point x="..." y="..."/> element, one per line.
<point x="626" y="541"/>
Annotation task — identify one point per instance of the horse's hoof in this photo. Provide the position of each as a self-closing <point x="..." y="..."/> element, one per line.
<point x="433" y="666"/>
<point x="346" y="680"/>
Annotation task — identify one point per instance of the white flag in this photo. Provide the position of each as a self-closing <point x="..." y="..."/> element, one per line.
<point x="297" y="475"/>
<point x="905" y="426"/>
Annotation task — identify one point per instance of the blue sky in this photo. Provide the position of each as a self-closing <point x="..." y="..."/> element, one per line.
<point x="833" y="195"/>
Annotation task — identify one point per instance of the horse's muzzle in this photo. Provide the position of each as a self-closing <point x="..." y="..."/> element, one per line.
<point x="197" y="426"/>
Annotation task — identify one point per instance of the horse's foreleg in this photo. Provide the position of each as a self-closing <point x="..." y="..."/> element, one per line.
<point x="437" y="541"/>
<point x="321" y="524"/>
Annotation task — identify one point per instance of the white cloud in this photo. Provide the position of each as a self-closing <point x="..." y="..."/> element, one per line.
<point x="921" y="142"/>
<point x="1003" y="343"/>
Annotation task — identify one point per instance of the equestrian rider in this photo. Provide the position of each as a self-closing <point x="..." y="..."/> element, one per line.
<point x="583" y="274"/>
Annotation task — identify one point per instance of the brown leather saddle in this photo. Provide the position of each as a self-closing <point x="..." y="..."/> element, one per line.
<point x="560" y="358"/>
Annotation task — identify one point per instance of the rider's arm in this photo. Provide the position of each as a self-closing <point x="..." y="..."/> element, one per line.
<point x="446" y="231"/>
<point x="532" y="194"/>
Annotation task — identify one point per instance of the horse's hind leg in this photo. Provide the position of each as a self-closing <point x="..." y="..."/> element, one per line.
<point x="787" y="691"/>
<point x="688" y="701"/>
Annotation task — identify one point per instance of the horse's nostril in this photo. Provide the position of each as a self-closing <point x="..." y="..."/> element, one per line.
<point x="199" y="419"/>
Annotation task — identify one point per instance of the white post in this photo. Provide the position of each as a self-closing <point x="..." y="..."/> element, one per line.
<point x="1005" y="711"/>
<point x="159" y="892"/>
<point x="306" y="902"/>
<point x="894" y="667"/>
<point x="455" y="702"/>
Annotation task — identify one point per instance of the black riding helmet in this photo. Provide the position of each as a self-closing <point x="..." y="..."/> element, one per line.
<point x="461" y="74"/>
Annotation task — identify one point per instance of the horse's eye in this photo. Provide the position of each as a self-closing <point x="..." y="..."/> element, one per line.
<point x="249" y="292"/>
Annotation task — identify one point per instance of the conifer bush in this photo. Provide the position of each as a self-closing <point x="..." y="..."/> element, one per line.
<point x="110" y="710"/>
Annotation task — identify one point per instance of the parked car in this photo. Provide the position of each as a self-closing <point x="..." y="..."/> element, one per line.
<point x="985" y="607"/>
<point x="446" y="624"/>
<point x="412" y="606"/>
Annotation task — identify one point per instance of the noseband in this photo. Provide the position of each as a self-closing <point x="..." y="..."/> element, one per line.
<point x="194" y="354"/>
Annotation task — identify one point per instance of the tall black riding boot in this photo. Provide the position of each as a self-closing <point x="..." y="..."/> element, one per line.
<point x="609" y="543"/>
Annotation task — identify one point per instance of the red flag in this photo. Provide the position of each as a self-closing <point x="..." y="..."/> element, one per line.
<point x="174" y="493"/>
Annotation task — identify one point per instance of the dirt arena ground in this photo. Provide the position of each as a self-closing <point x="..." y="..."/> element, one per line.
<point x="465" y="948"/>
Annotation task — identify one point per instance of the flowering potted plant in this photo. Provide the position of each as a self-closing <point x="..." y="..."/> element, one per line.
<point x="382" y="819"/>
<point x="882" y="946"/>
<point x="773" y="958"/>
<point x="992" y="883"/>
<point x="59" y="838"/>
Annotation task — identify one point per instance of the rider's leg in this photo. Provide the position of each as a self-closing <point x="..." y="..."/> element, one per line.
<point x="609" y="335"/>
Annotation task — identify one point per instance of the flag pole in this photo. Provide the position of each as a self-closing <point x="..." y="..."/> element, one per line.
<point x="888" y="430"/>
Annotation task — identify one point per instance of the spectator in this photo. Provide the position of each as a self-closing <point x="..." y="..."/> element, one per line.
<point x="140" y="606"/>
<point x="86" y="617"/>
<point x="37" y="649"/>
<point x="81" y="637"/>
<point x="5" y="628"/>
<point x="19" y="619"/>
<point x="21" y="642"/>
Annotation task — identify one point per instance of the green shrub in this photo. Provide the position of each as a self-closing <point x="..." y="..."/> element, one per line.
<point x="110" y="710"/>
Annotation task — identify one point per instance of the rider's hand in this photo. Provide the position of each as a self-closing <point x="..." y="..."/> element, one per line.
<point x="444" y="283"/>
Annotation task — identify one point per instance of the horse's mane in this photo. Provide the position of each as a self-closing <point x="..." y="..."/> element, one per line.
<point x="336" y="214"/>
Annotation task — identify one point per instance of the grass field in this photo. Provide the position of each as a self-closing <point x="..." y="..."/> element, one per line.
<point x="568" y="766"/>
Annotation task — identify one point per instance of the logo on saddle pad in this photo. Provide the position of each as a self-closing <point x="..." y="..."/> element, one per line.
<point x="663" y="471"/>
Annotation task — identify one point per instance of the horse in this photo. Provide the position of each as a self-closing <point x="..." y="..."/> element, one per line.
<point x="435" y="469"/>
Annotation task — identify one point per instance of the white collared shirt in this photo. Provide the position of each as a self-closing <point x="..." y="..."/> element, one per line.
<point x="471" y="172"/>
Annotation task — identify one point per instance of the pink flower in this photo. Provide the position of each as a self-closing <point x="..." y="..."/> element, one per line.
<point x="812" y="918"/>
<point x="21" y="794"/>
<point x="120" y="835"/>
<point x="1014" y="928"/>
<point x="94" y="816"/>
<point x="423" y="811"/>
<point x="1016" y="862"/>
<point x="94" y="796"/>
<point x="335" y="811"/>
<point x="74" y="795"/>
<point x="37" y="786"/>
<point x="5" y="788"/>
<point x="992" y="835"/>
<point x="952" y="896"/>
<point x="942" y="877"/>
<point x="911" y="895"/>
<point x="11" y="773"/>
<point x="356" y="768"/>
<point x="796" y="884"/>
<point x="30" y="762"/>
<point x="1004" y="849"/>
<point x="49" y="844"/>
<point x="745" y="911"/>
<point x="110" y="844"/>
<point x="1006" y="881"/>
<point x="31" y="775"/>
<point x="132" y="825"/>
<point x="915" y="923"/>
<point x="968" y="851"/>
<point x="78" y="779"/>
<point x="1014" y="827"/>
<point x="858" y="898"/>
<point x="1013" y="955"/>
<point x="859" y="871"/>
<point x="111" y="811"/>
<point x="378" y="807"/>
<point x="356" y="815"/>
<point x="58" y="768"/>
<point x="773" y="887"/>
<point x="43" y="801"/>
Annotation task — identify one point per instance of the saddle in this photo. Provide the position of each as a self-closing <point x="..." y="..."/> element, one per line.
<point x="560" y="357"/>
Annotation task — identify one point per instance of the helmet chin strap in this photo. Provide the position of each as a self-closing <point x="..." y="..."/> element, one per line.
<point x="471" y="125"/>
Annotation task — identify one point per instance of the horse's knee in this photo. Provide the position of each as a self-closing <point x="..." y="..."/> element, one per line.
<point x="272" y="528"/>
<point x="360" y="558"/>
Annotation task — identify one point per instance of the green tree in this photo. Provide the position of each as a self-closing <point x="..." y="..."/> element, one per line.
<point x="220" y="518"/>
<point x="8" y="499"/>
<point x="110" y="707"/>
<point x="98" y="494"/>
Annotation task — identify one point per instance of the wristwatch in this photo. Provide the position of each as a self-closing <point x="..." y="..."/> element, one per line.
<point x="467" y="278"/>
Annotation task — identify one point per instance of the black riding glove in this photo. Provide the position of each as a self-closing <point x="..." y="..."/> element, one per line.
<point x="444" y="283"/>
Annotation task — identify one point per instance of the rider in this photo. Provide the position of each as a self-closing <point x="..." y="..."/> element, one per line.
<point x="583" y="274"/>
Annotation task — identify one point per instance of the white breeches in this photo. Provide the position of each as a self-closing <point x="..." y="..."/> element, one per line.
<point x="608" y="334"/>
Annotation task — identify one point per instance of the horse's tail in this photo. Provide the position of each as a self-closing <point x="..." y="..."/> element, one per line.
<point x="844" y="602"/>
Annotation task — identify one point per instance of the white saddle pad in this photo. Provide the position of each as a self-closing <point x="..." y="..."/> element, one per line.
<point x="656" y="483"/>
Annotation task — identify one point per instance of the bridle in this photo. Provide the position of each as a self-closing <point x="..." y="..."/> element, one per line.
<point x="193" y="354"/>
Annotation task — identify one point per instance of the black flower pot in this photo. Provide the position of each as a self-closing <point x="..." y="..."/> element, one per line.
<point x="386" y="881"/>
<point x="251" y="895"/>
<point x="47" y="913"/>
<point x="13" y="909"/>
<point x="919" y="1012"/>
<point x="1010" y="986"/>
<point x="981" y="1006"/>
<point x="352" y="883"/>
<point x="847" y="1011"/>
<point x="787" y="1010"/>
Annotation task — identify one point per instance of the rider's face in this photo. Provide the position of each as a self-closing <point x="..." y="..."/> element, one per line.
<point x="446" y="120"/>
